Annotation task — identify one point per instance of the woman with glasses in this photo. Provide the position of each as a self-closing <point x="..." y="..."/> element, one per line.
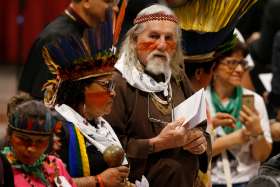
<point x="82" y="93"/>
<point x="243" y="136"/>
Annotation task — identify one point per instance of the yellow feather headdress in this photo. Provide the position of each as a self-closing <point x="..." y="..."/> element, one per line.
<point x="207" y="25"/>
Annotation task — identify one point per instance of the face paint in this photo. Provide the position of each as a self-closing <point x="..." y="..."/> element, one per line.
<point x="151" y="46"/>
<point x="28" y="148"/>
<point x="25" y="141"/>
<point x="147" y="46"/>
<point x="98" y="99"/>
<point x="171" y="45"/>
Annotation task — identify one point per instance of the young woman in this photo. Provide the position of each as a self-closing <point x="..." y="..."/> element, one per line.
<point x="29" y="133"/>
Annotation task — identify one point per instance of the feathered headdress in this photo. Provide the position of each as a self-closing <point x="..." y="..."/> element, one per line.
<point x="73" y="58"/>
<point x="207" y="25"/>
<point x="32" y="117"/>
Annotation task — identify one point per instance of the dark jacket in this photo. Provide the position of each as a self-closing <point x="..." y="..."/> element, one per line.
<point x="35" y="73"/>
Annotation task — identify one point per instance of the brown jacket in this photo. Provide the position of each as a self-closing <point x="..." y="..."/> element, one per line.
<point x="129" y="118"/>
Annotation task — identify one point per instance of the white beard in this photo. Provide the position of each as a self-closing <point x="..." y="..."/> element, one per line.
<point x="156" y="65"/>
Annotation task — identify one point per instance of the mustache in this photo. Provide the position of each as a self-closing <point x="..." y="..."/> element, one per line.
<point x="159" y="54"/>
<point x="158" y="63"/>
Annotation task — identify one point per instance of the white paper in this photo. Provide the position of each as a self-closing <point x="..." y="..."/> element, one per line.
<point x="192" y="109"/>
<point x="62" y="182"/>
<point x="266" y="80"/>
<point x="143" y="183"/>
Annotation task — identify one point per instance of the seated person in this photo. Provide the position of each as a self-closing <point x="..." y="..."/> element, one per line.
<point x="29" y="133"/>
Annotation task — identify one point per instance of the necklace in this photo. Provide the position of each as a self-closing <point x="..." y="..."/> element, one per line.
<point x="165" y="109"/>
<point x="164" y="106"/>
<point x="161" y="101"/>
<point x="50" y="176"/>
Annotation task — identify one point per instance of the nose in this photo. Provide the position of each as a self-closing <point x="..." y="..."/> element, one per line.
<point x="113" y="93"/>
<point x="161" y="44"/>
<point x="31" y="148"/>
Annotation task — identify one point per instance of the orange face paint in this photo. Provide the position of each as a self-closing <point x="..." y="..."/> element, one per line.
<point x="171" y="45"/>
<point x="147" y="46"/>
<point x="98" y="99"/>
<point x="151" y="46"/>
<point x="26" y="142"/>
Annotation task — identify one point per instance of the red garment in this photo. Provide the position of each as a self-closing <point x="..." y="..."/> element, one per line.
<point x="21" y="180"/>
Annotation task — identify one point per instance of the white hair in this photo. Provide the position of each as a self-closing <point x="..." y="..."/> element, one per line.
<point x="128" y="45"/>
<point x="156" y="8"/>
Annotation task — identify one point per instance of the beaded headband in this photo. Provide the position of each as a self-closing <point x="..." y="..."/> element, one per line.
<point x="32" y="117"/>
<point x="156" y="16"/>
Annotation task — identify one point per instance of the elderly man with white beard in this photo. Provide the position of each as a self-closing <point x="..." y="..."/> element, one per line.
<point x="149" y="83"/>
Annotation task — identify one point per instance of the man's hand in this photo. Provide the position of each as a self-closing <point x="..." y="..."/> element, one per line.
<point x="172" y="135"/>
<point x="196" y="141"/>
<point x="224" y="120"/>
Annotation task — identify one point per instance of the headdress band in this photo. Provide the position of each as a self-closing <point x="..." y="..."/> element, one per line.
<point x="207" y="57"/>
<point x="156" y="16"/>
<point x="31" y="132"/>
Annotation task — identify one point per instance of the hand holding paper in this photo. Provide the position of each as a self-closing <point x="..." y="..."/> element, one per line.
<point x="192" y="109"/>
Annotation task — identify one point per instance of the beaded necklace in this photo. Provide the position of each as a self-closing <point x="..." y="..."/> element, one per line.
<point x="38" y="169"/>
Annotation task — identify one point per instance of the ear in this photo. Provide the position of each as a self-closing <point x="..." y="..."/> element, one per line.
<point x="86" y="89"/>
<point x="198" y="73"/>
<point x="134" y="38"/>
<point x="86" y="4"/>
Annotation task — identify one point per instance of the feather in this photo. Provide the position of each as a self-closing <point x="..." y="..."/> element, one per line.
<point x="211" y="15"/>
<point x="119" y="22"/>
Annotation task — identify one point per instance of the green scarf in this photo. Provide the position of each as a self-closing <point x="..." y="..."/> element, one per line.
<point x="233" y="107"/>
<point x="34" y="169"/>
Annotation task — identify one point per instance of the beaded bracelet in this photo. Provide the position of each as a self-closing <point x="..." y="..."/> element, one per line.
<point x="100" y="182"/>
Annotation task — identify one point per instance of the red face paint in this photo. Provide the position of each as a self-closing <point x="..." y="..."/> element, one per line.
<point x="38" y="143"/>
<point x="171" y="45"/>
<point x="98" y="99"/>
<point x="147" y="46"/>
<point x="151" y="46"/>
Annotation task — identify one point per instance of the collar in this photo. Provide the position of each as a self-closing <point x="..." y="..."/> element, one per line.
<point x="139" y="79"/>
<point x="101" y="136"/>
<point x="71" y="13"/>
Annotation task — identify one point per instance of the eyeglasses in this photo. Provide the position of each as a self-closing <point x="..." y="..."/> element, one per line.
<point x="232" y="64"/>
<point x="108" y="84"/>
<point x="154" y="120"/>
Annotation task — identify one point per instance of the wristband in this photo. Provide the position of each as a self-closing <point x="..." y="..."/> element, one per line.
<point x="258" y="136"/>
<point x="100" y="182"/>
